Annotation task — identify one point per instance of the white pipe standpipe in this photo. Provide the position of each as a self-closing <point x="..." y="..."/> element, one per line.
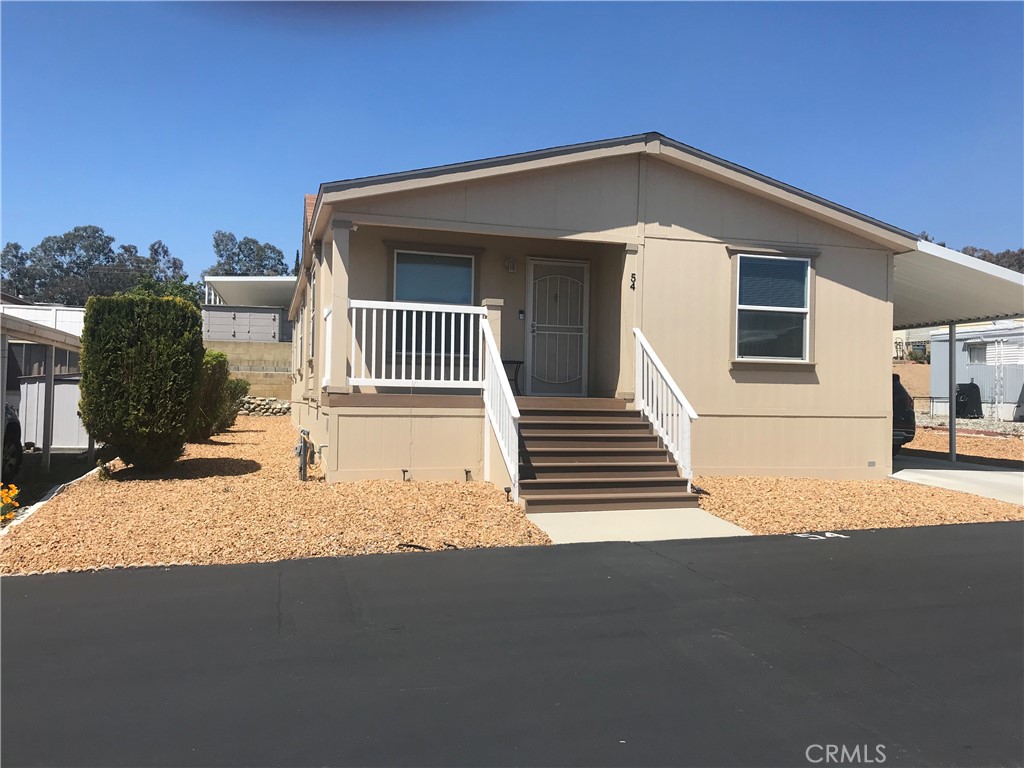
<point x="952" y="391"/>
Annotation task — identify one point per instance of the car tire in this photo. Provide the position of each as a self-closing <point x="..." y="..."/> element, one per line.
<point x="11" y="461"/>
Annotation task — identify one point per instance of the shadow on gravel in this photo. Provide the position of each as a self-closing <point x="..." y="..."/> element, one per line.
<point x="966" y="458"/>
<point x="193" y="469"/>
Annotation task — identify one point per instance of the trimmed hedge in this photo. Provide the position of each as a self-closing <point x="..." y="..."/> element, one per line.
<point x="212" y="398"/>
<point x="141" y="359"/>
<point x="237" y="389"/>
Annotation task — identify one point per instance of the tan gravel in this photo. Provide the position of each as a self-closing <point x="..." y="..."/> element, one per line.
<point x="237" y="499"/>
<point x="768" y="505"/>
<point x="1009" y="448"/>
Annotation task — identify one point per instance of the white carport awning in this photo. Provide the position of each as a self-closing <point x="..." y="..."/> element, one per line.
<point x="934" y="286"/>
<point x="19" y="329"/>
<point x="253" y="291"/>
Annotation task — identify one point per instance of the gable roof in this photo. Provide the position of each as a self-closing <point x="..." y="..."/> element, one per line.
<point x="652" y="143"/>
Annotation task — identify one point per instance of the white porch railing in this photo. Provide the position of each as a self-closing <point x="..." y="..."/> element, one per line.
<point x="659" y="398"/>
<point x="407" y="344"/>
<point x="502" y="411"/>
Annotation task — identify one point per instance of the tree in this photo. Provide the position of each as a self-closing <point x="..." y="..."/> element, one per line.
<point x="298" y="264"/>
<point x="69" y="268"/>
<point x="247" y="256"/>
<point x="19" y="276"/>
<point x="163" y="266"/>
<point x="1010" y="259"/>
<point x="150" y="286"/>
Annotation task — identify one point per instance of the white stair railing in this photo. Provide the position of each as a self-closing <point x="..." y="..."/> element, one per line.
<point x="659" y="398"/>
<point x="408" y="344"/>
<point x="501" y="408"/>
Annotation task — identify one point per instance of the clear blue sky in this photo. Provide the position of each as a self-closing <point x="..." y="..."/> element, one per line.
<point x="168" y="121"/>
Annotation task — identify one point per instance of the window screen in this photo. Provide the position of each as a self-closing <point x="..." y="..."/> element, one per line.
<point x="773" y="308"/>
<point x="433" y="278"/>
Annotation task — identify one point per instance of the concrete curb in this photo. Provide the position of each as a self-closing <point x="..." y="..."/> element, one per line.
<point x="27" y="512"/>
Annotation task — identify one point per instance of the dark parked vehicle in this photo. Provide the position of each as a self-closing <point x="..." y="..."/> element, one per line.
<point x="904" y="425"/>
<point x="12" y="444"/>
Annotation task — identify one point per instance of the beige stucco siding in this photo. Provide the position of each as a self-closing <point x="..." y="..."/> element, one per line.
<point x="793" y="446"/>
<point x="681" y="205"/>
<point x="597" y="198"/>
<point x="431" y="443"/>
<point x="763" y="419"/>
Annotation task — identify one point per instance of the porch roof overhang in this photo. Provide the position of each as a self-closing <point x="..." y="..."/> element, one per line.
<point x="17" y="329"/>
<point x="244" y="291"/>
<point x="933" y="286"/>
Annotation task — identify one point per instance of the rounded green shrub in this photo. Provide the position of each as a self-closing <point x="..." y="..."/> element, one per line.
<point x="237" y="389"/>
<point x="212" y="398"/>
<point x="141" y="358"/>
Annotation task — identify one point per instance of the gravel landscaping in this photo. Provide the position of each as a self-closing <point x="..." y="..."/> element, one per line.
<point x="1006" y="449"/>
<point x="237" y="499"/>
<point x="768" y="505"/>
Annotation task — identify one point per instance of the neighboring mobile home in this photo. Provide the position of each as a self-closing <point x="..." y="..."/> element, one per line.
<point x="557" y="321"/>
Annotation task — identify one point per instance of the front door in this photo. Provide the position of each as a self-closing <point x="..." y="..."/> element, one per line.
<point x="557" y="318"/>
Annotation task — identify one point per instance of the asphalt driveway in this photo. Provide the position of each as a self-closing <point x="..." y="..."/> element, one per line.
<point x="748" y="651"/>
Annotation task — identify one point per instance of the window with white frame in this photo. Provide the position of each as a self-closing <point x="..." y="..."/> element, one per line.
<point x="773" y="308"/>
<point x="312" y="311"/>
<point x="433" y="278"/>
<point x="976" y="352"/>
<point x="300" y="336"/>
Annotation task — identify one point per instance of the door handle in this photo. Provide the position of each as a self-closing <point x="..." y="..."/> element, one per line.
<point x="533" y="328"/>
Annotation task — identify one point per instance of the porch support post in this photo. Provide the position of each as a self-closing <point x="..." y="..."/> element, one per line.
<point x="494" y="307"/>
<point x="952" y="391"/>
<point x="629" y="318"/>
<point x="50" y="364"/>
<point x="337" y="295"/>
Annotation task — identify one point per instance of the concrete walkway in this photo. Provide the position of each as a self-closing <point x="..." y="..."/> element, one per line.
<point x="633" y="525"/>
<point x="980" y="479"/>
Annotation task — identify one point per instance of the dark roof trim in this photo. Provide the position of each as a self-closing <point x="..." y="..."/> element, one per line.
<point x="590" y="146"/>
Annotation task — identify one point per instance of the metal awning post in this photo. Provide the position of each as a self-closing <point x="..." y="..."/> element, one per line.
<point x="952" y="391"/>
<point x="48" y="407"/>
<point x="3" y="384"/>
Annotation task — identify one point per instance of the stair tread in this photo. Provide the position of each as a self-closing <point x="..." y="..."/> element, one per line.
<point x="602" y="497"/>
<point x="566" y="433"/>
<point x="528" y="420"/>
<point x="603" y="480"/>
<point x="625" y="449"/>
<point x="605" y="465"/>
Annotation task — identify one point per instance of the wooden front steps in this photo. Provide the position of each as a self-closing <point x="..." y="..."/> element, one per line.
<point x="584" y="454"/>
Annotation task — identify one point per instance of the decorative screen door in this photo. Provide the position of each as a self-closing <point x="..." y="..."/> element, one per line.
<point x="557" y="319"/>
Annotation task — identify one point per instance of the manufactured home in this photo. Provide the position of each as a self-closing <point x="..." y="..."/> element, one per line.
<point x="589" y="326"/>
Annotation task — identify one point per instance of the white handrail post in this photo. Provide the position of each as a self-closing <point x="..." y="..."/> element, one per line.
<point x="660" y="399"/>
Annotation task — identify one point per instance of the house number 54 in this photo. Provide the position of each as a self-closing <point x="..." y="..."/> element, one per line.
<point x="632" y="281"/>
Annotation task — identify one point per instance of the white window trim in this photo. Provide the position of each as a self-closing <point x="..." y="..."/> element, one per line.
<point x="301" y="337"/>
<point x="326" y="381"/>
<point x="805" y="310"/>
<point x="417" y="252"/>
<point x="312" y="312"/>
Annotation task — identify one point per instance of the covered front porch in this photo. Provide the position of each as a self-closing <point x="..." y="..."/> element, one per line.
<point x="560" y="312"/>
<point x="434" y="339"/>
